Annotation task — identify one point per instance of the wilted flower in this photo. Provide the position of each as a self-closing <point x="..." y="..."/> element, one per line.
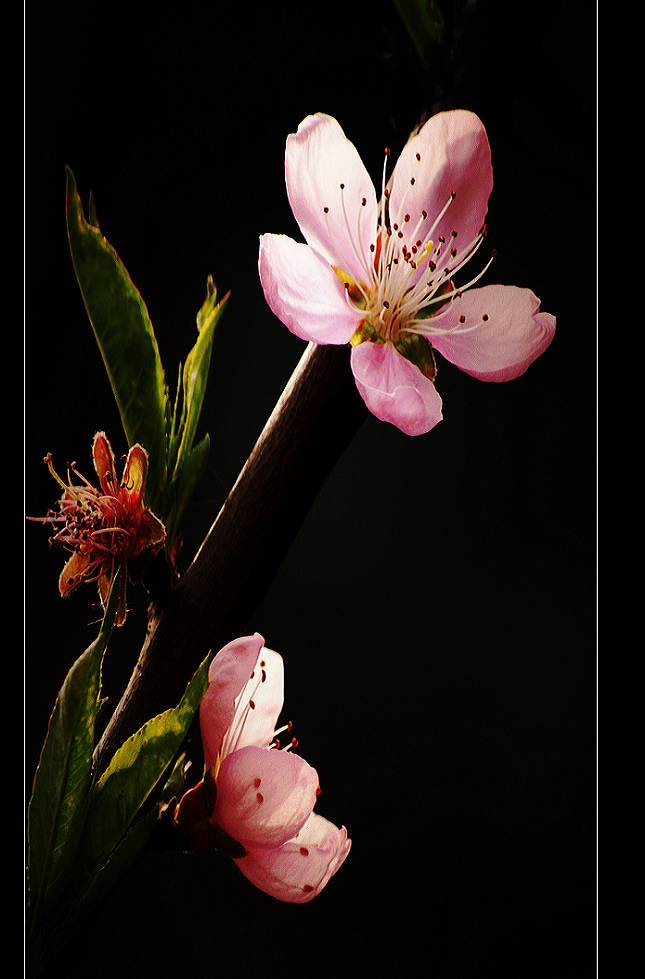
<point x="380" y="274"/>
<point x="105" y="529"/>
<point x="256" y="799"/>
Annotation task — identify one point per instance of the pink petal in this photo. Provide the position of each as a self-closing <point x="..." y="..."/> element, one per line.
<point x="326" y="185"/>
<point x="258" y="706"/>
<point x="304" y="292"/>
<point x="299" y="869"/>
<point x="502" y="346"/>
<point x="264" y="796"/>
<point x="394" y="389"/>
<point x="227" y="676"/>
<point x="454" y="157"/>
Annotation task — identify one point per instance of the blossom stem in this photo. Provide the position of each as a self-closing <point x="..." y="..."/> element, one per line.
<point x="314" y="420"/>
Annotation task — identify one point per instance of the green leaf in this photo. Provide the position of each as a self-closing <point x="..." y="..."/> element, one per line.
<point x="63" y="777"/>
<point x="74" y="913"/>
<point x="127" y="783"/>
<point x="125" y="338"/>
<point x="195" y="377"/>
<point x="183" y="485"/>
<point x="185" y="461"/>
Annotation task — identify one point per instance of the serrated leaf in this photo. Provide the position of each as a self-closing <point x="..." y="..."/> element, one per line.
<point x="134" y="771"/>
<point x="64" y="775"/>
<point x="125" y="337"/>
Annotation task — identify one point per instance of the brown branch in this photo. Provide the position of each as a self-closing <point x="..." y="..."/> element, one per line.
<point x="316" y="417"/>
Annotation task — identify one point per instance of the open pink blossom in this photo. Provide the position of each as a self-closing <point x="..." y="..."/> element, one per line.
<point x="256" y="799"/>
<point x="380" y="274"/>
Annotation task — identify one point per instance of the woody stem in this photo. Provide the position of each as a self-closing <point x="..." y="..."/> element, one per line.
<point x="314" y="420"/>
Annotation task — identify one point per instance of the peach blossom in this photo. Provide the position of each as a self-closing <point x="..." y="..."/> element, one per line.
<point x="383" y="275"/>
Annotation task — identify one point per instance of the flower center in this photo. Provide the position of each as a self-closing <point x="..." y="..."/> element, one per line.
<point x="408" y="282"/>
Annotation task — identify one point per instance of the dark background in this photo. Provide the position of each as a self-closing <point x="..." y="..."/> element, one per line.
<point x="436" y="613"/>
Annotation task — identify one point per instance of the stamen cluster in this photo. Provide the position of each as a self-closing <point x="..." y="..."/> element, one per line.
<point x="105" y="529"/>
<point x="408" y="277"/>
<point x="102" y="527"/>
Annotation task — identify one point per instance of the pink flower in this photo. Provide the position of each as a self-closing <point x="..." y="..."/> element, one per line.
<point x="256" y="800"/>
<point x="108" y="528"/>
<point x="380" y="274"/>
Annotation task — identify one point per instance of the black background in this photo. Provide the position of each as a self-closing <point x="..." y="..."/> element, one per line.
<point x="436" y="613"/>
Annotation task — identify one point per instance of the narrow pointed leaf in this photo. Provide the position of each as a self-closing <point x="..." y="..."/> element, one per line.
<point x="131" y="776"/>
<point x="183" y="485"/>
<point x="64" y="775"/>
<point x="195" y="373"/>
<point x="77" y="911"/>
<point x="125" y="338"/>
